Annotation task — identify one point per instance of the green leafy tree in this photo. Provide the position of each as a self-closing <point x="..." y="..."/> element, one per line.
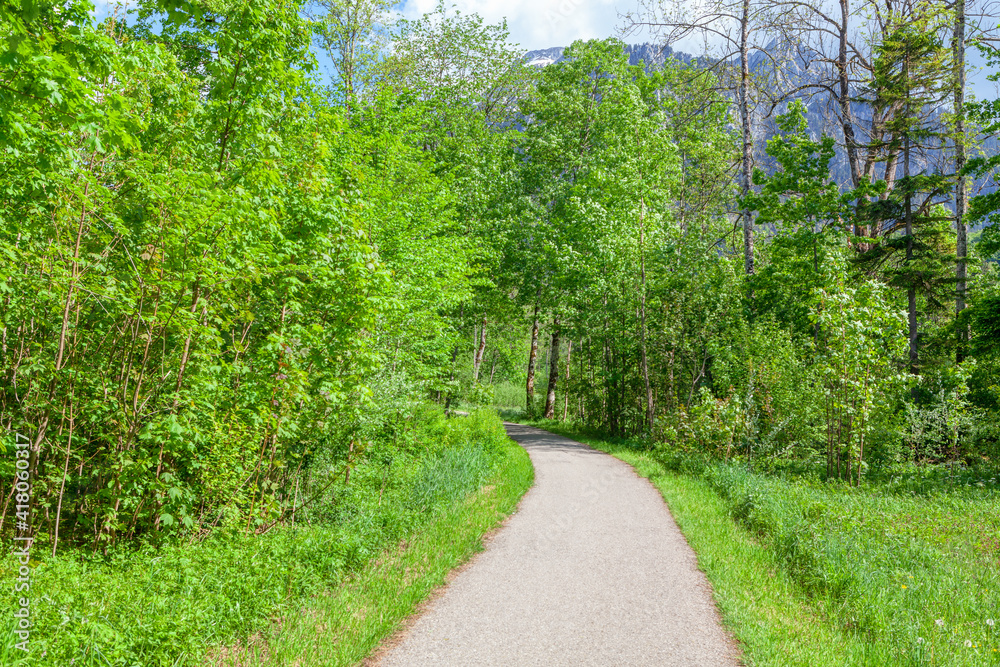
<point x="910" y="75"/>
<point x="863" y="335"/>
<point x="354" y="34"/>
<point x="595" y="171"/>
<point x="809" y="214"/>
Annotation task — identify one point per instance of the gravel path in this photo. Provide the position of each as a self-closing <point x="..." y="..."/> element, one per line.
<point x="591" y="570"/>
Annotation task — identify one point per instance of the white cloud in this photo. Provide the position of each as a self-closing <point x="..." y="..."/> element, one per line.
<point x="105" y="8"/>
<point x="539" y="24"/>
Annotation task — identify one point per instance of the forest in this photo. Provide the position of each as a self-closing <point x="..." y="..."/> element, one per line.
<point x="255" y="251"/>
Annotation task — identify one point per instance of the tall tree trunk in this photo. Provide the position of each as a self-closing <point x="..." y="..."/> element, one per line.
<point x="844" y="97"/>
<point x="911" y="291"/>
<point x="747" y="137"/>
<point x="569" y="354"/>
<point x="642" y="314"/>
<point x="550" y="396"/>
<point x="477" y="359"/>
<point x="529" y="401"/>
<point x="961" y="244"/>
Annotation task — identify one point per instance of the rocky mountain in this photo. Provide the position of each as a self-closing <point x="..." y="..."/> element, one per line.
<point x="649" y="54"/>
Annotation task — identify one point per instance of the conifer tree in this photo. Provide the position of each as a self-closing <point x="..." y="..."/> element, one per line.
<point x="910" y="78"/>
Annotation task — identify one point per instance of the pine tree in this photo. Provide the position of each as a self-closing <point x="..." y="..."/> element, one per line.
<point x="910" y="80"/>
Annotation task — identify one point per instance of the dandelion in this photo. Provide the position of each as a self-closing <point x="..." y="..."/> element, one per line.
<point x="968" y="644"/>
<point x="940" y="622"/>
<point x="904" y="587"/>
<point x="920" y="640"/>
<point x="990" y="622"/>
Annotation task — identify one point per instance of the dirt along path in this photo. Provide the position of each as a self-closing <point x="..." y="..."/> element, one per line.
<point x="591" y="570"/>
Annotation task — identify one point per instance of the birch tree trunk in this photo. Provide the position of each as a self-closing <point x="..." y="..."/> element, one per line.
<point x="747" y="136"/>
<point x="550" y="396"/>
<point x="642" y="316"/>
<point x="911" y="291"/>
<point x="529" y="401"/>
<point x="961" y="243"/>
<point x="477" y="359"/>
<point x="569" y="354"/>
<point x="844" y="98"/>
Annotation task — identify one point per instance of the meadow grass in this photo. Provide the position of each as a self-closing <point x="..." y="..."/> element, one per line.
<point x="811" y="573"/>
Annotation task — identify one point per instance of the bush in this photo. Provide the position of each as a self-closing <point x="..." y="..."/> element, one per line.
<point x="766" y="400"/>
<point x="508" y="395"/>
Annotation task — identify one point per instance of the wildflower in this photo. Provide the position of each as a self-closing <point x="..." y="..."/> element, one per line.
<point x="920" y="640"/>
<point x="968" y="644"/>
<point x="904" y="587"/>
<point x="990" y="622"/>
<point x="940" y="622"/>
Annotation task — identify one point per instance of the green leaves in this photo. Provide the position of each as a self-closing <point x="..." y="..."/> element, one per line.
<point x="197" y="272"/>
<point x="862" y="337"/>
<point x="210" y="269"/>
<point x="181" y="12"/>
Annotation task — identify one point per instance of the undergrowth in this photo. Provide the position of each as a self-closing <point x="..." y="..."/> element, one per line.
<point x="165" y="605"/>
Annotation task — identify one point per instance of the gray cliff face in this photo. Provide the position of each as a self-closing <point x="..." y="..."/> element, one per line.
<point x="648" y="54"/>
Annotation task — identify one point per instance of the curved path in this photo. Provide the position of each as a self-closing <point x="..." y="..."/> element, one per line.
<point x="591" y="570"/>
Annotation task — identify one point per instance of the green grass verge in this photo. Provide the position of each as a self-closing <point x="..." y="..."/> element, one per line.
<point x="347" y="623"/>
<point x="915" y="576"/>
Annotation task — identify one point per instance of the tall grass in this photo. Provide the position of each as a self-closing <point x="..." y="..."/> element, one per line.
<point x="508" y="395"/>
<point x="450" y="475"/>
<point x="916" y="575"/>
